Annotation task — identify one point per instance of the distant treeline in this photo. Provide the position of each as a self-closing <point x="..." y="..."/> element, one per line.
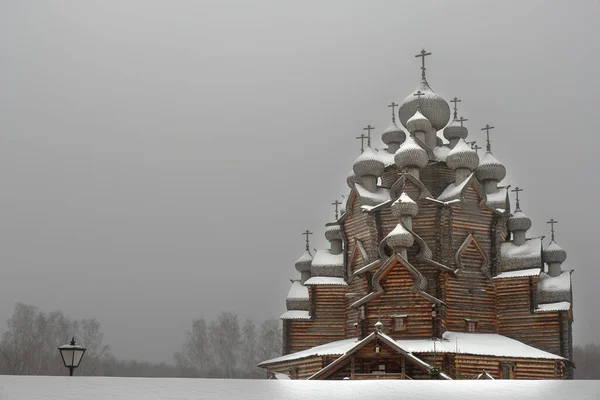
<point x="221" y="349"/>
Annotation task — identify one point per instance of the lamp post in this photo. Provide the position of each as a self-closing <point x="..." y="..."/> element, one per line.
<point x="71" y="355"/>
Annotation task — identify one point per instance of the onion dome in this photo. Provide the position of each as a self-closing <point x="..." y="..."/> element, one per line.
<point x="490" y="168"/>
<point x="454" y="130"/>
<point x="333" y="232"/>
<point x="418" y="123"/>
<point x="368" y="163"/>
<point x="433" y="107"/>
<point x="410" y="154"/>
<point x="462" y="156"/>
<point x="393" y="134"/>
<point x="554" y="253"/>
<point x="303" y="263"/>
<point x="519" y="221"/>
<point x="351" y="179"/>
<point x="404" y="206"/>
<point x="399" y="237"/>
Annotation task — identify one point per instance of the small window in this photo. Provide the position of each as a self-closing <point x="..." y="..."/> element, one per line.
<point x="507" y="370"/>
<point x="400" y="322"/>
<point x="471" y="325"/>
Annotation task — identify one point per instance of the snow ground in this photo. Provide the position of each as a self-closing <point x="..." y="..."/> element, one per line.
<point x="101" y="388"/>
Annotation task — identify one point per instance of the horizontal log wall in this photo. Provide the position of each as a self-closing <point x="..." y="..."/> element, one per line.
<point x="469" y="366"/>
<point x="300" y="369"/>
<point x="516" y="319"/>
<point x="399" y="299"/>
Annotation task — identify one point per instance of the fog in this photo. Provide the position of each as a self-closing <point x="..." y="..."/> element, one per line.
<point x="159" y="160"/>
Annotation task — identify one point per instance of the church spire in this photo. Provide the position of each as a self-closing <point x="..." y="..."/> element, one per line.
<point x="487" y="128"/>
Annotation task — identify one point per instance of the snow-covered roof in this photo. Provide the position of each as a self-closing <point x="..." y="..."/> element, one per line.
<point x="528" y="255"/>
<point x="298" y="292"/>
<point x="497" y="199"/>
<point x="338" y="347"/>
<point x="103" y="388"/>
<point x="327" y="264"/>
<point x="453" y="191"/>
<point x="295" y="314"/>
<point x="490" y="344"/>
<point x="553" y="289"/>
<point x="558" y="306"/>
<point x="381" y="195"/>
<point x="386" y="157"/>
<point x="519" y="274"/>
<point x="441" y="152"/>
<point x="326" y="280"/>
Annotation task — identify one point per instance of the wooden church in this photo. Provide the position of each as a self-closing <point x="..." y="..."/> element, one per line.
<point x="430" y="273"/>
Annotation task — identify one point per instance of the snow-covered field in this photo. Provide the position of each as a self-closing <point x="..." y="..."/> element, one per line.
<point x="96" y="388"/>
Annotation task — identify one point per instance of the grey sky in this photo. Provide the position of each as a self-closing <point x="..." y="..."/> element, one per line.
<point x="159" y="160"/>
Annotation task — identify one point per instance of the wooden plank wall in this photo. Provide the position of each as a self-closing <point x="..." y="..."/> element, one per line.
<point x="516" y="319"/>
<point x="302" y="368"/>
<point x="469" y="366"/>
<point x="399" y="299"/>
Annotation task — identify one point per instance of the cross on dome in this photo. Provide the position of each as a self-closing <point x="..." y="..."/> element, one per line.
<point x="393" y="107"/>
<point x="307" y="232"/>
<point x="419" y="94"/>
<point x="456" y="100"/>
<point x="461" y="119"/>
<point x="423" y="54"/>
<point x="336" y="204"/>
<point x="368" y="129"/>
<point x="476" y="147"/>
<point x="362" y="138"/>
<point x="552" y="222"/>
<point x="516" y="190"/>
<point x="487" y="128"/>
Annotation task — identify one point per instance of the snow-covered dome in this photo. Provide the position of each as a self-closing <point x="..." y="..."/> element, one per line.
<point x="303" y="263"/>
<point x="462" y="156"/>
<point x="418" y="123"/>
<point x="404" y="205"/>
<point x="333" y="232"/>
<point x="554" y="253"/>
<point x="368" y="163"/>
<point x="393" y="134"/>
<point x="490" y="168"/>
<point x="399" y="238"/>
<point x="351" y="179"/>
<point x="410" y="154"/>
<point x="519" y="222"/>
<point x="433" y="107"/>
<point x="454" y="130"/>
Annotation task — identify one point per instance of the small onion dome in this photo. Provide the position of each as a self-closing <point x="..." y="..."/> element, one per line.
<point x="455" y="131"/>
<point x="393" y="134"/>
<point x="404" y="206"/>
<point x="554" y="253"/>
<point x="418" y="123"/>
<point x="368" y="164"/>
<point x="304" y="262"/>
<point x="433" y="107"/>
<point x="379" y="326"/>
<point x="490" y="169"/>
<point x="399" y="237"/>
<point x="519" y="221"/>
<point x="351" y="179"/>
<point x="333" y="232"/>
<point x="462" y="156"/>
<point x="410" y="154"/>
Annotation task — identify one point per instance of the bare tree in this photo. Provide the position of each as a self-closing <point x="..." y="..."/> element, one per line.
<point x="225" y="343"/>
<point x="270" y="341"/>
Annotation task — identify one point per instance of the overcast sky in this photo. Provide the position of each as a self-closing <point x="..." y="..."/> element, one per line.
<point x="159" y="160"/>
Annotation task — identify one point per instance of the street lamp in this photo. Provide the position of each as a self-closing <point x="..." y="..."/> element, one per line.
<point x="71" y="355"/>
